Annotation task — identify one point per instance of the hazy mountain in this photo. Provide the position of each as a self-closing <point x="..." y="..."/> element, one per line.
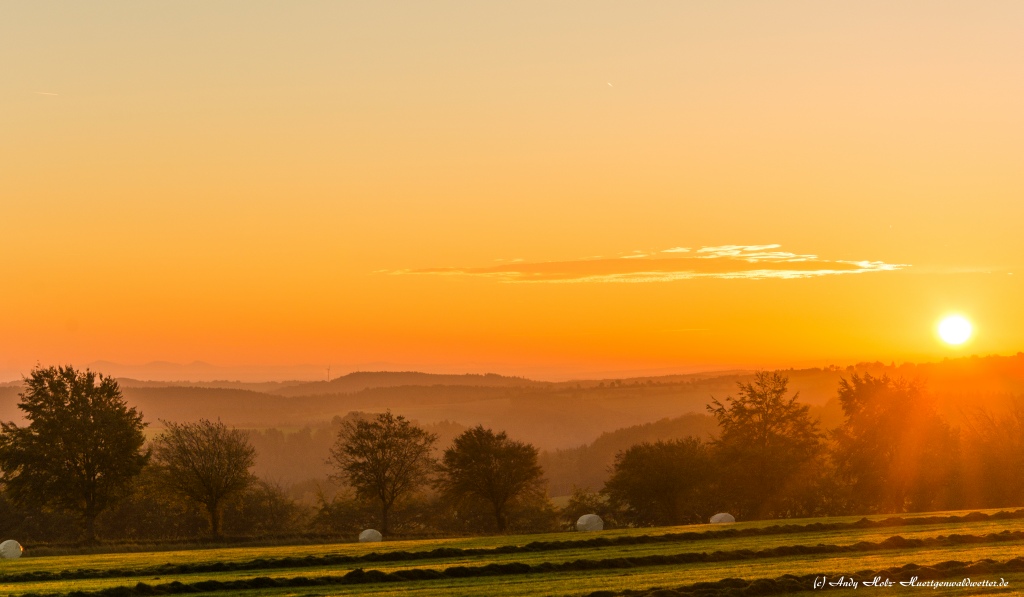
<point x="362" y="380"/>
<point x="200" y="371"/>
<point x="550" y="415"/>
<point x="269" y="387"/>
<point x="588" y="466"/>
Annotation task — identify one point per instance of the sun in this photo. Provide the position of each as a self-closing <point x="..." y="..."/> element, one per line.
<point x="955" y="330"/>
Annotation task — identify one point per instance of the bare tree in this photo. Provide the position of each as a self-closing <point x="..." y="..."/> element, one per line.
<point x="206" y="462"/>
<point x="383" y="459"/>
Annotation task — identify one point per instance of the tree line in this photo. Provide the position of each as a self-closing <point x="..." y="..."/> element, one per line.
<point x="84" y="457"/>
<point x="892" y="454"/>
<point x="83" y="465"/>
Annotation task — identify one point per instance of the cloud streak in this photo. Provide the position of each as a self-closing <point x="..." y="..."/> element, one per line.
<point x="728" y="262"/>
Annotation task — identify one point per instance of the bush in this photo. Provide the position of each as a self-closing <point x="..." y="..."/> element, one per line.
<point x="264" y="510"/>
<point x="587" y="501"/>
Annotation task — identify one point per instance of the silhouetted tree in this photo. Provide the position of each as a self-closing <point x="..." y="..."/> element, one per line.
<point x="343" y="514"/>
<point x="766" y="442"/>
<point x="264" y="509"/>
<point x="491" y="467"/>
<point x="994" y="445"/>
<point x="205" y="462"/>
<point x="664" y="483"/>
<point x="152" y="513"/>
<point x="894" y="451"/>
<point x="589" y="465"/>
<point x="81" y="448"/>
<point x="384" y="459"/>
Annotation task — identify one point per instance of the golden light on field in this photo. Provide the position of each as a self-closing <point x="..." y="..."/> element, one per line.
<point x="955" y="330"/>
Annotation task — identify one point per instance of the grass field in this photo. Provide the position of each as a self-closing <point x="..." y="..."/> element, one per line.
<point x="636" y="560"/>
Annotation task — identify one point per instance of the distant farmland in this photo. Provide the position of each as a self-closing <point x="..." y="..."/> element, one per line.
<point x="754" y="558"/>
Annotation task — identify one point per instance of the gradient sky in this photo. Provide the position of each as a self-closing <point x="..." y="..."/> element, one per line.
<point x="545" y="188"/>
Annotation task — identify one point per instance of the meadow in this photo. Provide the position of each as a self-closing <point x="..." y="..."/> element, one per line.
<point x="751" y="558"/>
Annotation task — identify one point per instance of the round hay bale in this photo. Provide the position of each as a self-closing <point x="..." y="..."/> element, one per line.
<point x="722" y="518"/>
<point x="11" y="550"/>
<point x="590" y="522"/>
<point x="370" y="536"/>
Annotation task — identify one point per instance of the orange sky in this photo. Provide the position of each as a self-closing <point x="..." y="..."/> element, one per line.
<point x="480" y="187"/>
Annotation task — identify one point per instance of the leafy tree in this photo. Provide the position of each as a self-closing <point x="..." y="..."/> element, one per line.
<point x="894" y="451"/>
<point x="343" y="514"/>
<point x="34" y="524"/>
<point x="264" y="509"/>
<point x="766" y="444"/>
<point x="151" y="513"/>
<point x="491" y="467"/>
<point x="205" y="462"/>
<point x="590" y="465"/>
<point x="81" y="448"/>
<point x="384" y="459"/>
<point x="664" y="483"/>
<point x="994" y="445"/>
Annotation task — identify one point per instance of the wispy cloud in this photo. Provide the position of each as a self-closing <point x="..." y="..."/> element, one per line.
<point x="752" y="253"/>
<point x="44" y="93"/>
<point x="730" y="262"/>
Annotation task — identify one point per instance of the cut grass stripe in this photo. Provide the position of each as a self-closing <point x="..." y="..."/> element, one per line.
<point x="533" y="547"/>
<point x="360" y="576"/>
<point x="790" y="583"/>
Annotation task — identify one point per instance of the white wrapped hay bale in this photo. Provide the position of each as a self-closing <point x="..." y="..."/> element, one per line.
<point x="370" y="536"/>
<point x="722" y="518"/>
<point x="11" y="550"/>
<point x="590" y="522"/>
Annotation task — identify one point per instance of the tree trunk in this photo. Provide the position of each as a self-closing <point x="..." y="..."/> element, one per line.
<point x="499" y="517"/>
<point x="384" y="512"/>
<point x="214" y="509"/>
<point x="89" y="533"/>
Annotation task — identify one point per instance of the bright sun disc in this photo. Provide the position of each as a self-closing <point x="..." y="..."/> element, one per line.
<point x="954" y="330"/>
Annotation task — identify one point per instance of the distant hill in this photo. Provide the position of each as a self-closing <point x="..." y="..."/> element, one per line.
<point x="301" y="455"/>
<point x="551" y="415"/>
<point x="588" y="466"/>
<point x="9" y="402"/>
<point x="177" y="373"/>
<point x="578" y="425"/>
<point x="269" y="387"/>
<point x="362" y="380"/>
<point x="993" y="375"/>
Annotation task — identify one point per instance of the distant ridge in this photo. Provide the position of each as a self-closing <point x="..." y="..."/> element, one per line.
<point x="364" y="380"/>
<point x="253" y="386"/>
<point x="551" y="415"/>
<point x="203" y="372"/>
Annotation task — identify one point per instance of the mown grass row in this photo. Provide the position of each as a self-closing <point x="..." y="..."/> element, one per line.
<point x="995" y="550"/>
<point x="443" y="553"/>
<point x="34" y="560"/>
<point x="360" y="576"/>
<point x="790" y="583"/>
<point x="575" y="584"/>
